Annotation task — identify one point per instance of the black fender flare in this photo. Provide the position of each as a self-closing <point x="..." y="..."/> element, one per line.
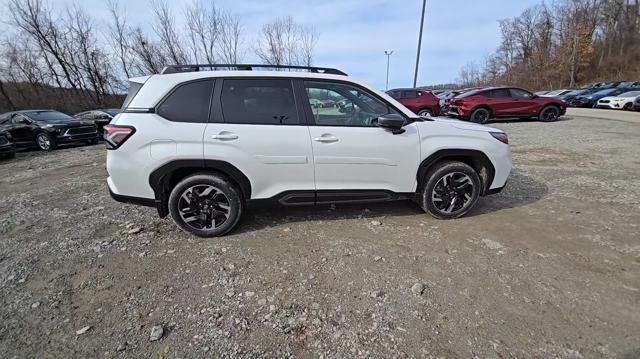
<point x="475" y="158"/>
<point x="160" y="178"/>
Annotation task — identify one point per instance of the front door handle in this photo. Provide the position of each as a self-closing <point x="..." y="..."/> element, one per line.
<point x="326" y="138"/>
<point x="225" y="136"/>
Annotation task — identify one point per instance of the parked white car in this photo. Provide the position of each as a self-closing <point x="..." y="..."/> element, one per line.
<point x="624" y="101"/>
<point x="556" y="93"/>
<point x="203" y="145"/>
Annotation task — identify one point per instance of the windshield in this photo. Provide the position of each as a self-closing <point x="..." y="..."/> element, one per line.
<point x="48" y="116"/>
<point x="630" y="94"/>
<point x="112" y="111"/>
<point x="604" y="92"/>
<point x="577" y="92"/>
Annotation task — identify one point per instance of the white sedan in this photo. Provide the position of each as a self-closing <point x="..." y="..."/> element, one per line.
<point x="624" y="101"/>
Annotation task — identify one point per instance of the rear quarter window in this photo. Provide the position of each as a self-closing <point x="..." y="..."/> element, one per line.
<point x="188" y="102"/>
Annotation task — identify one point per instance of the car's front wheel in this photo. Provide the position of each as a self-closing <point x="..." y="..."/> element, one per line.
<point x="206" y="205"/>
<point x="425" y="113"/>
<point x="480" y="115"/>
<point x="627" y="106"/>
<point x="450" y="190"/>
<point x="549" y="114"/>
<point x="45" y="141"/>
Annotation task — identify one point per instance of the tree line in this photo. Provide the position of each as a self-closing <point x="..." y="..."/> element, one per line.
<point x="71" y="60"/>
<point x="564" y="44"/>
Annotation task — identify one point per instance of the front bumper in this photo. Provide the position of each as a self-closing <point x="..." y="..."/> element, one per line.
<point x="8" y="148"/>
<point x="610" y="105"/>
<point x="64" y="138"/>
<point x="581" y="103"/>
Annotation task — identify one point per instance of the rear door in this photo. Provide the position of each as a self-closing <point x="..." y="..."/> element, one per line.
<point x="350" y="151"/>
<point x="500" y="102"/>
<point x="256" y="126"/>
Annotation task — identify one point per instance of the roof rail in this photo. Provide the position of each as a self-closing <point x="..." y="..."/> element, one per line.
<point x="171" y="69"/>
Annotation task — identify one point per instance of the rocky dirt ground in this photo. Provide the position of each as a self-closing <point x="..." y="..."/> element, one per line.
<point x="550" y="268"/>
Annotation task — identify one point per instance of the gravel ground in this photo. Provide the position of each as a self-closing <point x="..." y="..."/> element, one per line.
<point x="548" y="268"/>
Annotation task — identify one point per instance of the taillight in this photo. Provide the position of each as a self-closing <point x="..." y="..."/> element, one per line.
<point x="116" y="135"/>
<point x="500" y="136"/>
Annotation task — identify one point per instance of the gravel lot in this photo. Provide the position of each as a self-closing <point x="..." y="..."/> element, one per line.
<point x="548" y="268"/>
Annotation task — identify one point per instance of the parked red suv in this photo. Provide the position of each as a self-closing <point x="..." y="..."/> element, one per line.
<point x="421" y="102"/>
<point x="481" y="105"/>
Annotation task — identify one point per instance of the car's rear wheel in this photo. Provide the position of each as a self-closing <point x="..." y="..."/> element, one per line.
<point x="549" y="114"/>
<point x="45" y="141"/>
<point x="206" y="205"/>
<point x="425" y="112"/>
<point x="480" y="115"/>
<point x="451" y="189"/>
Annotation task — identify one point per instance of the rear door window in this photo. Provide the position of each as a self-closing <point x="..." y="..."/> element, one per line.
<point x="499" y="93"/>
<point x="188" y="103"/>
<point x="259" y="102"/>
<point x="410" y="94"/>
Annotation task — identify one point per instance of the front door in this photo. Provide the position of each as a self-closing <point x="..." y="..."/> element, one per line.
<point x="257" y="126"/>
<point x="350" y="151"/>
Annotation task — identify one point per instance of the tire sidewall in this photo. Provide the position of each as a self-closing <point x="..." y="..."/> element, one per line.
<point x="223" y="185"/>
<point x="472" y="117"/>
<point x="425" y="112"/>
<point x="432" y="178"/>
<point x="49" y="137"/>
<point x="541" y="116"/>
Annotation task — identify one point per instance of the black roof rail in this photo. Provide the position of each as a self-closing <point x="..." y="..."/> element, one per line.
<point x="171" y="69"/>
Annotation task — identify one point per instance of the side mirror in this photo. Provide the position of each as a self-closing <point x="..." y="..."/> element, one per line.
<point x="393" y="122"/>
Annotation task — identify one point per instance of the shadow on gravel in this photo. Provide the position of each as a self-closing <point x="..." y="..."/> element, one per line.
<point x="520" y="191"/>
<point x="520" y="120"/>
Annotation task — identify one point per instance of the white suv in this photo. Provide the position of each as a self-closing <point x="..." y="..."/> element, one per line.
<point x="203" y="146"/>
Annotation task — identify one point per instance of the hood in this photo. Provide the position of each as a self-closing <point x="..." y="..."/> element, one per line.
<point x="463" y="125"/>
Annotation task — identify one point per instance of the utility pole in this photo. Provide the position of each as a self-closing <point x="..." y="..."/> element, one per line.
<point x="415" y="76"/>
<point x="388" y="53"/>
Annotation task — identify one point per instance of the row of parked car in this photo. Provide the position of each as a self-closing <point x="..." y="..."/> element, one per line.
<point x="480" y="104"/>
<point x="47" y="129"/>
<point x="619" y="95"/>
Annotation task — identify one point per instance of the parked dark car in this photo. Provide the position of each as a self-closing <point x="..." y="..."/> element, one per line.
<point x="571" y="95"/>
<point x="636" y="105"/>
<point x="481" y="105"/>
<point x="99" y="117"/>
<point x="421" y="102"/>
<point x="590" y="99"/>
<point x="7" y="146"/>
<point x="46" y="129"/>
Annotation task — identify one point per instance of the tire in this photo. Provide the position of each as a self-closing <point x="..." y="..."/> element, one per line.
<point x="434" y="198"/>
<point x="222" y="203"/>
<point x="480" y="115"/>
<point x="627" y="106"/>
<point x="549" y="114"/>
<point x="425" y="112"/>
<point x="94" y="142"/>
<point x="45" y="141"/>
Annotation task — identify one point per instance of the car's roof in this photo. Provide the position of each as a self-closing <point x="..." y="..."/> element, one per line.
<point x="408" y="89"/>
<point x="156" y="86"/>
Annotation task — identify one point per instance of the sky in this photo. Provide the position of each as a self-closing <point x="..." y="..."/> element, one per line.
<point x="353" y="34"/>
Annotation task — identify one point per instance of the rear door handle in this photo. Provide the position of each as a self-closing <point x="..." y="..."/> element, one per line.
<point x="225" y="136"/>
<point x="326" y="138"/>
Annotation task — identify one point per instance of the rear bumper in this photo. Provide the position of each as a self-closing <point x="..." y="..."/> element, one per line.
<point x="139" y="201"/>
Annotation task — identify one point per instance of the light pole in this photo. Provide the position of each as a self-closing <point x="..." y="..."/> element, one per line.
<point x="388" y="53"/>
<point x="415" y="76"/>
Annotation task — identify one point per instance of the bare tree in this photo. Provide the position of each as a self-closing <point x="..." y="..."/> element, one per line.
<point x="285" y="42"/>
<point x="119" y="34"/>
<point x="230" y="40"/>
<point x="203" y="28"/>
<point x="165" y="28"/>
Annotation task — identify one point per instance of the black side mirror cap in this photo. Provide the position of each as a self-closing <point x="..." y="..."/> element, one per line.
<point x="393" y="122"/>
